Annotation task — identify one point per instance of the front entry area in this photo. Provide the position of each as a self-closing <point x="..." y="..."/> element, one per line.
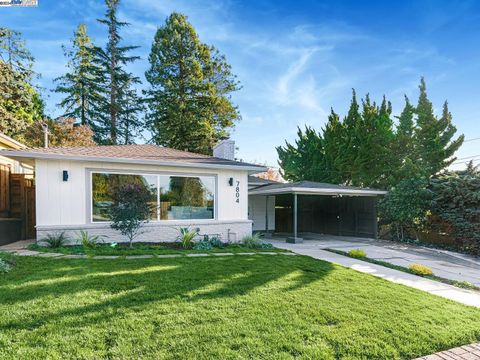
<point x="324" y="214"/>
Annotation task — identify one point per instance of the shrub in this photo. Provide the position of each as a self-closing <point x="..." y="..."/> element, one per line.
<point x="88" y="241"/>
<point x="7" y="262"/>
<point x="186" y="236"/>
<point x="357" y="253"/>
<point x="464" y="285"/>
<point x="254" y="242"/>
<point x="55" y="240"/>
<point x="202" y="245"/>
<point x="130" y="209"/>
<point x="421" y="270"/>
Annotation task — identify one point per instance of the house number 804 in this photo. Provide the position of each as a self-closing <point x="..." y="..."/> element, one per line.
<point x="237" y="192"/>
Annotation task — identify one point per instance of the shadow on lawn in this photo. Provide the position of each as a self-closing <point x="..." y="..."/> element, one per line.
<point x="137" y="283"/>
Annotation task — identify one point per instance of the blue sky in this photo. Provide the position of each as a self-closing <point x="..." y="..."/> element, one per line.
<point x="295" y="59"/>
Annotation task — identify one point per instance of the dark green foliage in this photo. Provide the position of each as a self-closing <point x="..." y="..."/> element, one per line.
<point x="366" y="149"/>
<point x="405" y="205"/>
<point x="130" y="209"/>
<point x="116" y="116"/>
<point x="20" y="104"/>
<point x="456" y="201"/>
<point x="189" y="97"/>
<point x="208" y="243"/>
<point x="80" y="84"/>
<point x="305" y="159"/>
<point x="434" y="145"/>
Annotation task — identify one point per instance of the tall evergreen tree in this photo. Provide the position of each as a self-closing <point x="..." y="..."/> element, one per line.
<point x="79" y="84"/>
<point x="112" y="77"/>
<point x="20" y="103"/>
<point x="434" y="143"/>
<point x="349" y="144"/>
<point x="306" y="159"/>
<point x="374" y="134"/>
<point x="130" y="123"/>
<point x="189" y="98"/>
<point x="365" y="150"/>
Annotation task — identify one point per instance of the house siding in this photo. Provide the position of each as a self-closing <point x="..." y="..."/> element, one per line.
<point x="64" y="205"/>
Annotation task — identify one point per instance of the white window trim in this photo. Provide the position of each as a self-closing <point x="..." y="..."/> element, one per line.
<point x="89" y="188"/>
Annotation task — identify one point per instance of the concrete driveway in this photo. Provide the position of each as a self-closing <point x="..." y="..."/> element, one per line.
<point x="446" y="264"/>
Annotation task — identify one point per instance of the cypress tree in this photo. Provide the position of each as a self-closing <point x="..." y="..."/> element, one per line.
<point x="434" y="143"/>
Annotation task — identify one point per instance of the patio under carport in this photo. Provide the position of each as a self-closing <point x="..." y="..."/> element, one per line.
<point x="311" y="207"/>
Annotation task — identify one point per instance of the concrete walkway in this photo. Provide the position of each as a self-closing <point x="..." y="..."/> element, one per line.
<point x="446" y="264"/>
<point x="314" y="249"/>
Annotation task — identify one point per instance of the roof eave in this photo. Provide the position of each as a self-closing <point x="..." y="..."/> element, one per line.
<point x="7" y="140"/>
<point x="315" y="191"/>
<point x="29" y="155"/>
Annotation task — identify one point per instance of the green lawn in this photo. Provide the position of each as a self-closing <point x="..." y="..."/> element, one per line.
<point x="144" y="249"/>
<point x="260" y="306"/>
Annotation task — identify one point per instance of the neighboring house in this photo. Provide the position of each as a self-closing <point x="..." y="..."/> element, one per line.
<point x="216" y="195"/>
<point x="188" y="190"/>
<point x="16" y="184"/>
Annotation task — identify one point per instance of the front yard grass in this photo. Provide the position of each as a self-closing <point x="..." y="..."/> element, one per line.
<point x="143" y="249"/>
<point x="259" y="306"/>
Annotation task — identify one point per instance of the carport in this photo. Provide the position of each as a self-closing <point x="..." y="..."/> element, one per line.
<point x="312" y="207"/>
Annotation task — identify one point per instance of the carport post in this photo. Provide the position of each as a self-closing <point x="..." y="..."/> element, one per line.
<point x="295" y="239"/>
<point x="295" y="209"/>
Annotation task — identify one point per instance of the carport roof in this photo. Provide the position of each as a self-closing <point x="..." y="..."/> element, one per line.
<point x="314" y="188"/>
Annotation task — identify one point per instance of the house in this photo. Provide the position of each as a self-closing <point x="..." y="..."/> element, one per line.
<point x="16" y="194"/>
<point x="216" y="195"/>
<point x="187" y="190"/>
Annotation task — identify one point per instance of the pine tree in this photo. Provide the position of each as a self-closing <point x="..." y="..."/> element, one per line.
<point x="434" y="144"/>
<point x="80" y="84"/>
<point x="190" y="85"/>
<point x="112" y="77"/>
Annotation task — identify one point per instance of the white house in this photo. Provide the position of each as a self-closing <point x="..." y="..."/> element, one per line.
<point x="188" y="190"/>
<point x="216" y="195"/>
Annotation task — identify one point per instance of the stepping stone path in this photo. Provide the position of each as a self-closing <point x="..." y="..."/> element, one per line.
<point x="467" y="352"/>
<point x="24" y="252"/>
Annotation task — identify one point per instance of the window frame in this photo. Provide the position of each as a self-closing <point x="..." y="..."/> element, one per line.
<point x="89" y="189"/>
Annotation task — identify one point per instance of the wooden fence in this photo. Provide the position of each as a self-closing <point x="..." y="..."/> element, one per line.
<point x="5" y="171"/>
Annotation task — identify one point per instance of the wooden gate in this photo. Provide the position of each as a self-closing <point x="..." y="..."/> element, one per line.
<point x="22" y="203"/>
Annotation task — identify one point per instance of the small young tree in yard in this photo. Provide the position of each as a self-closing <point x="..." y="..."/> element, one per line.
<point x="130" y="209"/>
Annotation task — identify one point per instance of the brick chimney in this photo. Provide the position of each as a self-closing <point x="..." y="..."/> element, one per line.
<point x="225" y="149"/>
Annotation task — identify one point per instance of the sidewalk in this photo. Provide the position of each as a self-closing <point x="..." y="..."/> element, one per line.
<point x="310" y="248"/>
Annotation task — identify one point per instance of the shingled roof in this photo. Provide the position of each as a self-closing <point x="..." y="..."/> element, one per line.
<point x="142" y="154"/>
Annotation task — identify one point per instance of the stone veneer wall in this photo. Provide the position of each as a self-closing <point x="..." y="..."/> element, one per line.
<point x="232" y="231"/>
